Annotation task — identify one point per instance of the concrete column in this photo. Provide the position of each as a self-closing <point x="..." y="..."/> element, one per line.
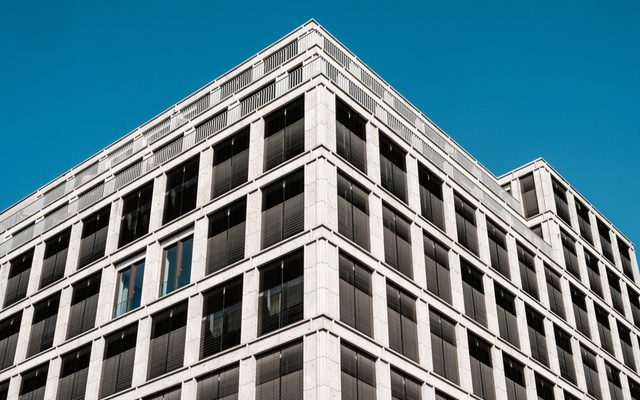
<point x="320" y="195"/>
<point x="106" y="298"/>
<point x="552" y="354"/>
<point x="377" y="227"/>
<point x="582" y="264"/>
<point x="380" y="316"/>
<point x="615" y="335"/>
<point x="593" y="324"/>
<point x="321" y="366"/>
<point x="253" y="226"/>
<point x="530" y="383"/>
<point x="483" y="238"/>
<point x="113" y="232"/>
<point x="251" y="286"/>
<point x="498" y="374"/>
<point x="573" y="213"/>
<point x="455" y="272"/>
<point x="523" y="329"/>
<point x="321" y="280"/>
<point x="143" y="342"/>
<point x="36" y="269"/>
<point x="73" y="252"/>
<point x="256" y="149"/>
<point x="602" y="377"/>
<point x="373" y="152"/>
<point x="556" y="242"/>
<point x="449" y="212"/>
<point x="62" y="320"/>
<point x="490" y="303"/>
<point x="152" y="273"/>
<point x="23" y="336"/>
<point x="593" y="222"/>
<point x="14" y="387"/>
<point x="189" y="389"/>
<point x="157" y="202"/>
<point x="616" y="250"/>
<point x="567" y="301"/>
<point x="53" y="377"/>
<point x="193" y="330"/>
<point x="247" y="379"/>
<point x="417" y="250"/>
<point x="413" y="184"/>
<point x="539" y="182"/>
<point x="424" y="333"/>
<point x="205" y="177"/>
<point x="319" y="118"/>
<point x="199" y="252"/>
<point x="514" y="264"/>
<point x="383" y="380"/>
<point x="546" y="187"/>
<point x="581" y="381"/>
<point x="464" y="364"/>
<point x="4" y="276"/>
<point x="541" y="280"/>
<point x="95" y="369"/>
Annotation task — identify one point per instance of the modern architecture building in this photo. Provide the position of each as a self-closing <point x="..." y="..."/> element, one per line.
<point x="297" y="229"/>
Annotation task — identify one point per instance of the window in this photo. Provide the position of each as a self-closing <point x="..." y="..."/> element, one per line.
<point x="615" y="291"/>
<point x="443" y="346"/>
<point x="173" y="393"/>
<point x="397" y="241"/>
<point x="403" y="330"/>
<point x="4" y="390"/>
<point x="593" y="269"/>
<point x="580" y="311"/>
<point x="627" y="346"/>
<point x="55" y="258"/>
<point x="351" y="136"/>
<point x="117" y="365"/>
<point x="84" y="305"/>
<point x="358" y="374"/>
<point x="537" y="338"/>
<point x="554" y="290"/>
<point x="33" y="383"/>
<point x="583" y="222"/>
<point x="176" y="265"/>
<point x="73" y="374"/>
<point x="528" y="276"/>
<point x="356" y="309"/>
<point x="230" y="163"/>
<point x="565" y="355"/>
<point x="284" y="134"/>
<point x="514" y="377"/>
<point x="634" y="389"/>
<point x="225" y="245"/>
<point x="591" y="372"/>
<point x="605" y="241"/>
<point x="222" y="317"/>
<point x="403" y="387"/>
<point x="498" y="249"/>
<point x="604" y="329"/>
<point x="182" y="189"/>
<point x="481" y="367"/>
<point x="570" y="255"/>
<point x="466" y="224"/>
<point x="473" y="291"/>
<point x="431" y="202"/>
<point x="283" y="209"/>
<point x="625" y="257"/>
<point x="166" y="351"/>
<point x="43" y="325"/>
<point x="20" y="268"/>
<point x="529" y="199"/>
<point x="281" y="293"/>
<point x="507" y="316"/>
<point x="442" y="396"/>
<point x="544" y="388"/>
<point x="353" y="211"/>
<point x="393" y="168"/>
<point x="136" y="210"/>
<point x="129" y="288"/>
<point x="537" y="229"/>
<point x="94" y="236"/>
<point x="219" y="385"/>
<point x="9" y="331"/>
<point x="615" y="386"/>
<point x="560" y="196"/>
<point x="634" y="300"/>
<point x="436" y="258"/>
<point x="279" y="373"/>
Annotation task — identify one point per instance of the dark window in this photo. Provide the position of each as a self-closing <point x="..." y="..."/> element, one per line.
<point x="219" y="385"/>
<point x="173" y="393"/>
<point x="498" y="249"/>
<point x="353" y="211"/>
<point x="94" y="236"/>
<point x="404" y="387"/>
<point x="222" y="317"/>
<point x="166" y="351"/>
<point x="615" y="386"/>
<point x="570" y="255"/>
<point x="473" y="292"/>
<point x="560" y="196"/>
<point x="176" y="265"/>
<point x="43" y="326"/>
<point x="544" y="388"/>
<point x="565" y="355"/>
<point x="84" y="305"/>
<point x="33" y="383"/>
<point x="73" y="374"/>
<point x="9" y="331"/>
<point x="528" y="276"/>
<point x="442" y="396"/>
<point x="537" y="337"/>
<point x="4" y="390"/>
<point x="604" y="329"/>
<point x="443" y="346"/>
<point x="283" y="209"/>
<point x="279" y="373"/>
<point x="182" y="189"/>
<point x="356" y="309"/>
<point x="397" y="241"/>
<point x="615" y="291"/>
<point x="129" y="288"/>
<point x="431" y="202"/>
<point x="580" y="311"/>
<point x="351" y="136"/>
<point x="225" y="245"/>
<point x="591" y="372"/>
<point x="625" y="257"/>
<point x="568" y="396"/>
<point x="634" y="300"/>
<point x="605" y="241"/>
<point x="593" y="269"/>
<point x="514" y="377"/>
<point x="554" y="290"/>
<point x="55" y="258"/>
<point x="18" y="281"/>
<point x="481" y="367"/>
<point x="358" y="376"/>
<point x="393" y="168"/>
<point x="466" y="224"/>
<point x="537" y="229"/>
<point x="136" y="210"/>
<point x="436" y="257"/>
<point x="281" y="292"/>
<point x="583" y="221"/>
<point x="231" y="163"/>
<point x="117" y="365"/>
<point x="284" y="134"/>
<point x="529" y="199"/>
<point x="403" y="330"/>
<point x="627" y="346"/>
<point x="634" y="389"/>
<point x="507" y="316"/>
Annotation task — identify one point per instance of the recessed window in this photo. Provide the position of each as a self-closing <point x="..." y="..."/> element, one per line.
<point x="498" y="248"/>
<point x="358" y="374"/>
<point x="73" y="374"/>
<point x="279" y="373"/>
<point x="570" y="255"/>
<point x="136" y="211"/>
<point x="593" y="270"/>
<point x="403" y="329"/>
<point x="443" y="346"/>
<point x="604" y="329"/>
<point x="55" y="258"/>
<point x="591" y="372"/>
<point x="404" y="387"/>
<point x="231" y="163"/>
<point x="225" y="245"/>
<point x="356" y="308"/>
<point x="537" y="336"/>
<point x="353" y="211"/>
<point x="544" y="388"/>
<point x="605" y="241"/>
<point x="182" y="190"/>
<point x="481" y="367"/>
<point x="529" y="199"/>
<point x="43" y="326"/>
<point x="20" y="269"/>
<point x="397" y="241"/>
<point x="393" y="168"/>
<point x="9" y="331"/>
<point x="560" y="197"/>
<point x="176" y="265"/>
<point x="431" y="201"/>
<point x="173" y="393"/>
<point x="565" y="355"/>
<point x="284" y="134"/>
<point x="625" y="258"/>
<point x="554" y="290"/>
<point x="33" y="383"/>
<point x="436" y="258"/>
<point x="94" y="237"/>
<point x="514" y="378"/>
<point x="84" y="305"/>
<point x="473" y="292"/>
<point x="222" y="318"/>
<point x="615" y="386"/>
<point x="283" y="209"/>
<point x="507" y="316"/>
<point x="166" y="351"/>
<point x="129" y="288"/>
<point x="626" y="343"/>
<point x="466" y="224"/>
<point x="351" y="136"/>
<point x="118" y="360"/>
<point x="528" y="276"/>
<point x="615" y="291"/>
<point x="580" y="311"/>
<point x="583" y="221"/>
<point x="221" y="384"/>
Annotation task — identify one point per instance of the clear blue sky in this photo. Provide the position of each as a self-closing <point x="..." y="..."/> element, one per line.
<point x="510" y="81"/>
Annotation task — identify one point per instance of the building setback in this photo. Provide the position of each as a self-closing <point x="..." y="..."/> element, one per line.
<point x="237" y="245"/>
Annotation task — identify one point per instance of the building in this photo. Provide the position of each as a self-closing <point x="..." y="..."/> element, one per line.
<point x="237" y="245"/>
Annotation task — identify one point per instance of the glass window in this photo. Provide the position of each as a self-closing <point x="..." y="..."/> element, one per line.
<point x="279" y="373"/>
<point x="55" y="258"/>
<point x="528" y="276"/>
<point x="627" y="346"/>
<point x="593" y="269"/>
<point x="481" y="367"/>
<point x="443" y="346"/>
<point x="583" y="221"/>
<point x="544" y="388"/>
<point x="230" y="163"/>
<point x="72" y="384"/>
<point x="182" y="189"/>
<point x="283" y="209"/>
<point x="173" y="393"/>
<point x="615" y="386"/>
<point x="136" y="210"/>
<point x="222" y="317"/>
<point x="221" y="384"/>
<point x="565" y="355"/>
<point x="9" y="331"/>
<point x="393" y="168"/>
<point x="358" y="376"/>
<point x="397" y="241"/>
<point x="176" y="265"/>
<point x="431" y="201"/>
<point x="166" y="351"/>
<point x="43" y="326"/>
<point x="591" y="372"/>
<point x="604" y="329"/>
<point x="404" y="387"/>
<point x="529" y="199"/>
<point x="225" y="245"/>
<point x="473" y="292"/>
<point x="117" y="364"/>
<point x="353" y="211"/>
<point x="615" y="291"/>
<point x="436" y="258"/>
<point x="356" y="308"/>
<point x="498" y="249"/>
<point x="560" y="196"/>
<point x="570" y="255"/>
<point x="84" y="305"/>
<point x="129" y="288"/>
<point x="580" y="311"/>
<point x="605" y="241"/>
<point x="554" y="290"/>
<point x="94" y="236"/>
<point x="507" y="316"/>
<point x="466" y="224"/>
<point x="33" y="383"/>
<point x="514" y="378"/>
<point x="351" y="136"/>
<point x="537" y="336"/>
<point x="403" y="331"/>
<point x="20" y="269"/>
<point x="625" y="258"/>
<point x="284" y="134"/>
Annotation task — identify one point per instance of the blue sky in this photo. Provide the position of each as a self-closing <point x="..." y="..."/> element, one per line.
<point x="510" y="81"/>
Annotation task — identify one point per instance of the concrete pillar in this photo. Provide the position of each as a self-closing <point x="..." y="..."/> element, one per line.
<point x="251" y="286"/>
<point x="193" y="329"/>
<point x="523" y="329"/>
<point x="62" y="320"/>
<point x="464" y="364"/>
<point x="205" y="177"/>
<point x="449" y="212"/>
<point x="4" y="276"/>
<point x="321" y="366"/>
<point x="373" y="152"/>
<point x="514" y="264"/>
<point x="36" y="269"/>
<point x="256" y="149"/>
<point x="189" y="389"/>
<point x="573" y="213"/>
<point x="319" y="118"/>
<point x="95" y="369"/>
<point x="417" y="250"/>
<point x="550" y="339"/>
<point x="113" y="232"/>
<point x="582" y="264"/>
<point x="320" y="195"/>
<point x="602" y="376"/>
<point x="23" y="336"/>
<point x="152" y="273"/>
<point x="530" y="383"/>
<point x="108" y="283"/>
<point x="383" y="379"/>
<point x="413" y="184"/>
<point x="253" y="226"/>
<point x="157" y="202"/>
<point x="321" y="280"/>
<point x="247" y="378"/>
<point x="498" y="374"/>
<point x="380" y="316"/>
<point x="73" y="252"/>
<point x="143" y="342"/>
<point x="490" y="303"/>
<point x="377" y="227"/>
<point x="424" y="334"/>
<point x="53" y="377"/>
<point x="483" y="238"/>
<point x="14" y="387"/>
<point x="455" y="272"/>
<point x="199" y="252"/>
